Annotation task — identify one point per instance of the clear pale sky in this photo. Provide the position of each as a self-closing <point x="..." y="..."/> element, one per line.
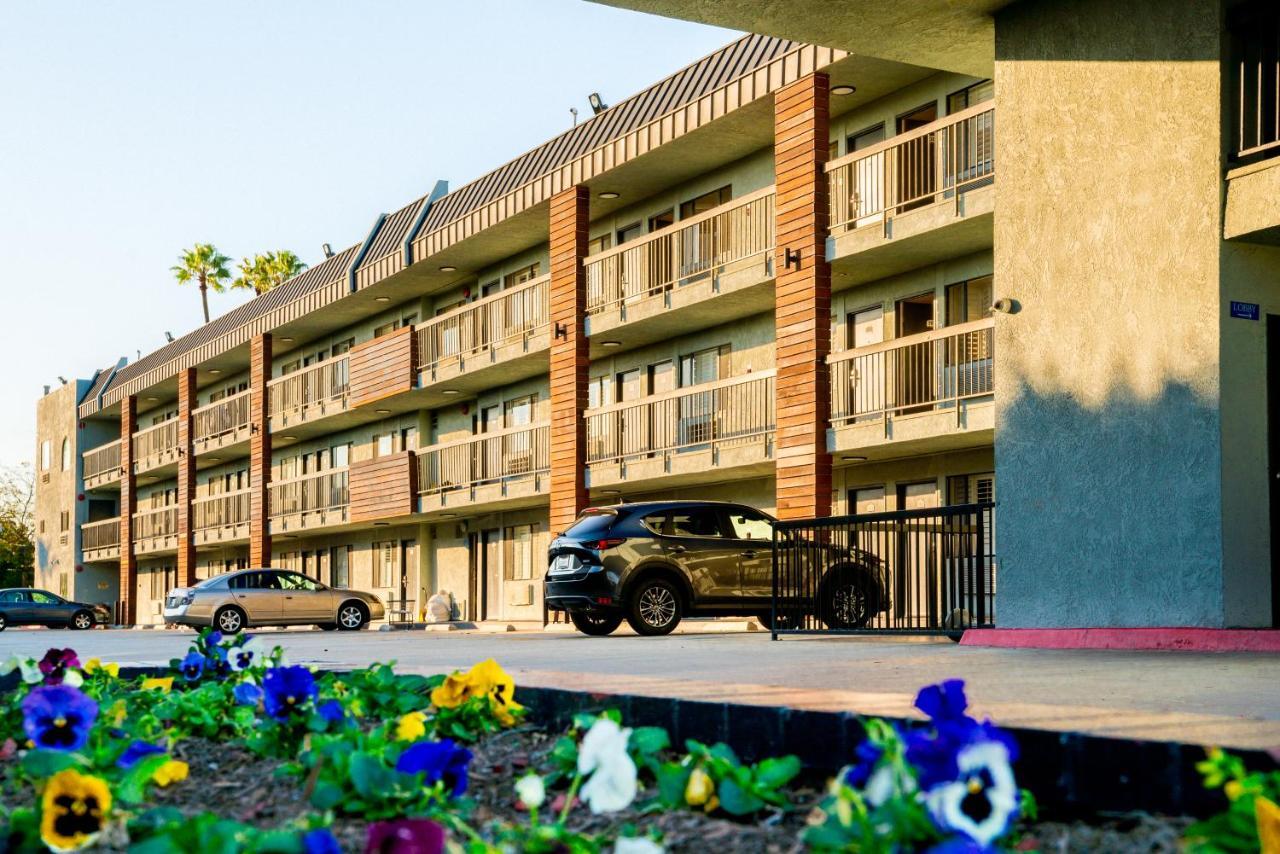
<point x="129" y="130"/>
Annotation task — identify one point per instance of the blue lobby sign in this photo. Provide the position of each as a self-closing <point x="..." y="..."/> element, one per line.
<point x="1244" y="310"/>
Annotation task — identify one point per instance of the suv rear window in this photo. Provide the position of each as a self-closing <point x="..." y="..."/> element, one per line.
<point x="591" y="524"/>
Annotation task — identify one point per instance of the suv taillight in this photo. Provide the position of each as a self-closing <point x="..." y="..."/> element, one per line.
<point x="608" y="543"/>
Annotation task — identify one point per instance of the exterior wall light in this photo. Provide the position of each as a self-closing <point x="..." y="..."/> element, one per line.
<point x="448" y="268"/>
<point x="843" y="90"/>
<point x="610" y="343"/>
<point x="609" y="194"/>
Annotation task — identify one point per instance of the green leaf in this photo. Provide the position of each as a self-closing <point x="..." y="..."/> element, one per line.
<point x="649" y="739"/>
<point x="777" y="772"/>
<point x="369" y="775"/>
<point x="326" y="796"/>
<point x="736" y="800"/>
<point x="43" y="764"/>
<point x="132" y="789"/>
<point x="673" y="777"/>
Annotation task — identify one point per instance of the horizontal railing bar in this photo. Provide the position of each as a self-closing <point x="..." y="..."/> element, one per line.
<point x="908" y="340"/>
<point x="685" y="391"/>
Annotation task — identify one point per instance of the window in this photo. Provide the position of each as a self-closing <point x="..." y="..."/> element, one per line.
<point x="409" y="438"/>
<point x="66" y="454"/>
<point x="518" y="559"/>
<point x="630" y="232"/>
<point x="46" y="453"/>
<point x="490" y="288"/>
<point x="599" y="244"/>
<point x="386" y="329"/>
<point x="518" y="412"/>
<point x="342" y="347"/>
<point x="599" y="391"/>
<point x="704" y="366"/>
<point x="1254" y="86"/>
<point x="384" y="444"/>
<point x="968" y="301"/>
<point x="971" y="489"/>
<point x="64" y="520"/>
<point x="628" y="385"/>
<point x="293" y="581"/>
<point x="341" y="455"/>
<point x="706" y="202"/>
<point x="519" y="277"/>
<point x="698" y="522"/>
<point x="386" y="563"/>
<point x="339" y="566"/>
<point x="657" y="222"/>
<point x="747" y="525"/>
<point x="970" y="96"/>
<point x="833" y="149"/>
<point x="866" y="327"/>
<point x="13" y="596"/>
<point x="866" y="138"/>
<point x="40" y="597"/>
<point x="662" y="377"/>
<point x="489" y="420"/>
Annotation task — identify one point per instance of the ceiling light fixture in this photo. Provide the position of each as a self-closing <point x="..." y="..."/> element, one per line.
<point x="288" y="438"/>
<point x="215" y="371"/>
<point x="286" y="340"/>
<point x="609" y="194"/>
<point x="382" y="411"/>
<point x="450" y="391"/>
<point x="448" y="268"/>
<point x="448" y="515"/>
<point x="853" y="458"/>
<point x="382" y="299"/>
<point x="843" y="90"/>
<point x="610" y="343"/>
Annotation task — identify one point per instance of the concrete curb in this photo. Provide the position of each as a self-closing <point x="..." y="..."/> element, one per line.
<point x="1168" y="639"/>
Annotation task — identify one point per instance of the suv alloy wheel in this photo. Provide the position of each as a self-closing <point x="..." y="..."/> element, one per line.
<point x="655" y="607"/>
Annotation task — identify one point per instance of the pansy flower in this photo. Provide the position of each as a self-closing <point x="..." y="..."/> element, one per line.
<point x="136" y="751"/>
<point x="486" y="679"/>
<point x="95" y="665"/>
<point x="331" y="712"/>
<point x="163" y="684"/>
<point x="217" y="663"/>
<point x="247" y="694"/>
<point x="982" y="802"/>
<point x="438" y="761"/>
<point x="251" y="653"/>
<point x="58" y="717"/>
<point x="320" y="841"/>
<point x="286" y="689"/>
<point x="603" y="755"/>
<point x="56" y="665"/>
<point x="405" y="836"/>
<point x="411" y="727"/>
<point x="173" y="771"/>
<point x="30" y="671"/>
<point x="192" y="667"/>
<point x="74" y="809"/>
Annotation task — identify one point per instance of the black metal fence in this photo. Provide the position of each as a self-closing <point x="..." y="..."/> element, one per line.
<point x="928" y="571"/>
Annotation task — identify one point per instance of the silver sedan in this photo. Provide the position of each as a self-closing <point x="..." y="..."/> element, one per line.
<point x="269" y="597"/>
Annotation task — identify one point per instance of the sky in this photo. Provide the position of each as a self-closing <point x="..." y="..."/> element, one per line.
<point x="130" y="130"/>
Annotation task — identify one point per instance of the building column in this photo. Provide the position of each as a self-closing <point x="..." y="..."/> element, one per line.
<point x="259" y="452"/>
<point x="569" y="356"/>
<point x="128" y="504"/>
<point x="803" y="299"/>
<point x="186" y="478"/>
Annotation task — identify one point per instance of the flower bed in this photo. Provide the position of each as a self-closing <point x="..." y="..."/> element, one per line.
<point x="237" y="750"/>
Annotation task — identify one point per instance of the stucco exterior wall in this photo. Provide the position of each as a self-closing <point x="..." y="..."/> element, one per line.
<point x="1107" y="233"/>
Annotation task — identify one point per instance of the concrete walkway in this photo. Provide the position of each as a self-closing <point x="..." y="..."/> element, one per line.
<point x="1226" y="699"/>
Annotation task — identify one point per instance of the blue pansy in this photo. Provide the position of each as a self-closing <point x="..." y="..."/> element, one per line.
<point x="192" y="667"/>
<point x="331" y="711"/>
<point x="944" y="702"/>
<point x="321" y="841"/>
<point x="137" y="750"/>
<point x="215" y="661"/>
<point x="866" y="757"/>
<point x="286" y="689"/>
<point x="247" y="694"/>
<point x="58" y="717"/>
<point x="437" y="761"/>
<point x="960" y="845"/>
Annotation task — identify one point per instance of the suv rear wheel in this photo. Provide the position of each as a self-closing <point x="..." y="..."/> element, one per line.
<point x="596" y="625"/>
<point x="655" y="607"/>
<point x="848" y="598"/>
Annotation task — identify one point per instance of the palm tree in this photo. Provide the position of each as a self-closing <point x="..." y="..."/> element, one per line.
<point x="207" y="267"/>
<point x="267" y="270"/>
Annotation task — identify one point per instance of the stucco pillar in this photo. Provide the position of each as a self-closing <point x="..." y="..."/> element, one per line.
<point x="128" y="506"/>
<point x="803" y="299"/>
<point x="186" y="478"/>
<point x="259" y="452"/>
<point x="569" y="355"/>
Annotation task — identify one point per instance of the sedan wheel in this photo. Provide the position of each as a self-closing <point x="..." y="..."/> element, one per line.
<point x="655" y="607"/>
<point x="229" y="621"/>
<point x="4" y="621"/>
<point x="351" y="617"/>
<point x="82" y="620"/>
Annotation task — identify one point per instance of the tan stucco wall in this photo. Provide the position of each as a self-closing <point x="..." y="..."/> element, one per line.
<point x="1107" y="233"/>
<point x="1253" y="201"/>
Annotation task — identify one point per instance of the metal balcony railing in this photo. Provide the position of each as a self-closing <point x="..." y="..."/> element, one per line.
<point x="726" y="412"/>
<point x="327" y="490"/>
<point x="220" y="511"/>
<point x="489" y="458"/>
<point x="158" y="522"/>
<point x="102" y="464"/>
<point x="503" y="318"/>
<point x="913" y="374"/>
<point x="104" y="534"/>
<point x="221" y="418"/>
<point x="153" y="443"/>
<point x="940" y="160"/>
<point x="322" y="386"/>
<point x="691" y="250"/>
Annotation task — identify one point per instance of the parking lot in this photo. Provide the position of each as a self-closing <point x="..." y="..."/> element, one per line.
<point x="1231" y="699"/>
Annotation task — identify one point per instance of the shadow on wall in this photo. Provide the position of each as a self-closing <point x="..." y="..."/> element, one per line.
<point x="1108" y="515"/>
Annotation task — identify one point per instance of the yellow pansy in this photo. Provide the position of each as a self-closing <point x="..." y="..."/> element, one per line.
<point x="700" y="789"/>
<point x="173" y="771"/>
<point x="95" y="664"/>
<point x="412" y="727"/>
<point x="158" y="683"/>
<point x="489" y="679"/>
<point x="1268" y="817"/>
<point x="454" y="691"/>
<point x="73" y="810"/>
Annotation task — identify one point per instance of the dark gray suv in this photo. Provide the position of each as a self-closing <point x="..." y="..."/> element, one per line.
<point x="653" y="563"/>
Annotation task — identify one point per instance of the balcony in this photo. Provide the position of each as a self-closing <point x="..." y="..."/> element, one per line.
<point x="221" y="519"/>
<point x="155" y="531"/>
<point x="658" y="285"/>
<point x="102" y="466"/>
<point x="496" y="333"/>
<point x="914" y="199"/>
<point x="922" y="393"/>
<point x="309" y="502"/>
<point x="308" y="394"/>
<point x="155" y="447"/>
<point x="509" y="467"/>
<point x="222" y="425"/>
<point x="690" y="435"/>
<point x="100" y="541"/>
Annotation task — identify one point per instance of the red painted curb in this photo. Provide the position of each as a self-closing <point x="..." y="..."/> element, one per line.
<point x="1186" y="639"/>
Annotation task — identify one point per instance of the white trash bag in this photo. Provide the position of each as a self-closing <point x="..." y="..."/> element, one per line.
<point x="439" y="608"/>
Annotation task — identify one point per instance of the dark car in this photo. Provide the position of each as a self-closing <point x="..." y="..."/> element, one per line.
<point x="26" y="606"/>
<point x="653" y="563"/>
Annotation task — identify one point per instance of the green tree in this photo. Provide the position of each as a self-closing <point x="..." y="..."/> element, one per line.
<point x="17" y="541"/>
<point x="207" y="267"/>
<point x="267" y="270"/>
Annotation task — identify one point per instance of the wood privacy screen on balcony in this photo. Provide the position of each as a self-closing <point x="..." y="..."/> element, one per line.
<point x="938" y="161"/>
<point x="310" y="493"/>
<point x="913" y="374"/>
<point x="1255" y="50"/>
<point x="508" y="317"/>
<point x="382" y="367"/>
<point x="383" y="488"/>
<point x="727" y="412"/>
<point x="323" y="383"/>
<point x="515" y="452"/>
<point x="221" y="511"/>
<point x="100" y="535"/>
<point x="102" y="462"/>
<point x="222" y="418"/>
<point x="156" y="440"/>
<point x="689" y="251"/>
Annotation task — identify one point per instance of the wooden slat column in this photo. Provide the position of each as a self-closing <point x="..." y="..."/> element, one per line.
<point x="569" y="355"/>
<point x="186" y="477"/>
<point x="259" y="452"/>
<point x="128" y="504"/>
<point x="803" y="299"/>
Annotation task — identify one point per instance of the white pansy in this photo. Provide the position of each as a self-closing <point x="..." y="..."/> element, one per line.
<point x="637" y="845"/>
<point x="531" y="791"/>
<point x="603" y="755"/>
<point x="251" y="653"/>
<point x="985" y="775"/>
<point x="26" y="666"/>
<point x="72" y="678"/>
